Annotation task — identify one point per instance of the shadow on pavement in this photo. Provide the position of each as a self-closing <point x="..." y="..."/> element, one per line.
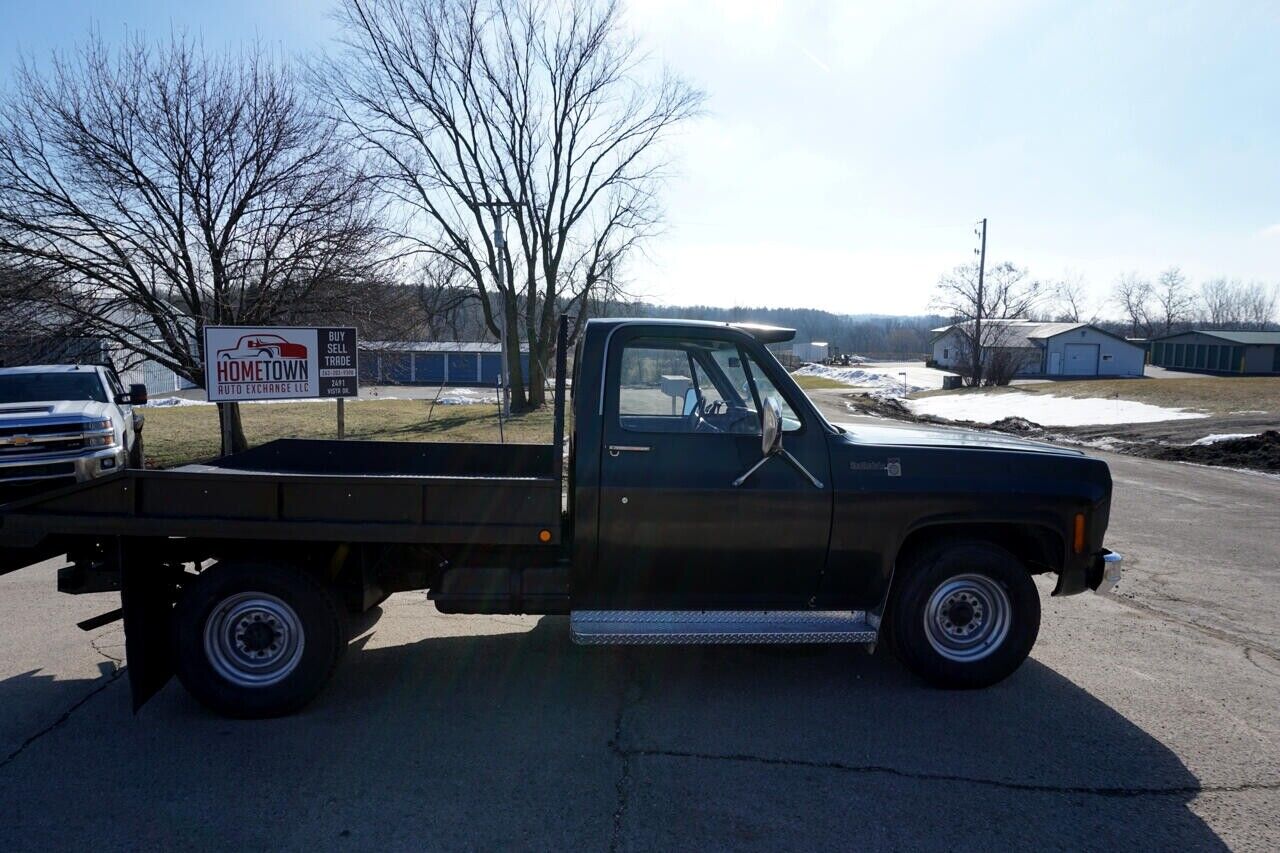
<point x="524" y="740"/>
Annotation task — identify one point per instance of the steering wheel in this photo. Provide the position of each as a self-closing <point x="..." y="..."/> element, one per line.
<point x="742" y="416"/>
<point x="697" y="418"/>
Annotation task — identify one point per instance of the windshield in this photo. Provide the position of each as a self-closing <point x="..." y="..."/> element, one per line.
<point x="51" y="387"/>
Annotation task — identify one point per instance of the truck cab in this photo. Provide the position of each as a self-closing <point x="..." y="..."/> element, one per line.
<point x="64" y="424"/>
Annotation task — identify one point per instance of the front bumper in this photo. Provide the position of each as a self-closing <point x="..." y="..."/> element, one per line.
<point x="58" y="469"/>
<point x="1107" y="569"/>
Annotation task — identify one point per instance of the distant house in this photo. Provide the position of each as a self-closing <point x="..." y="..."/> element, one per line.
<point x="1219" y="351"/>
<point x="1044" y="349"/>
<point x="433" y="362"/>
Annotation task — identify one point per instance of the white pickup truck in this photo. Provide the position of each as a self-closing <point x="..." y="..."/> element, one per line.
<point x="65" y="424"/>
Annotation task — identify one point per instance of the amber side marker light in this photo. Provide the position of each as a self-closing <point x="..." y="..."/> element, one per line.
<point x="1079" y="537"/>
<point x="544" y="535"/>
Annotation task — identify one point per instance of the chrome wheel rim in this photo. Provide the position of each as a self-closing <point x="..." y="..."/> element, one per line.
<point x="967" y="618"/>
<point x="253" y="639"/>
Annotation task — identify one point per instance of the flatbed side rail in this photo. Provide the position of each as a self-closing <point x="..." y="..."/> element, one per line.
<point x="218" y="504"/>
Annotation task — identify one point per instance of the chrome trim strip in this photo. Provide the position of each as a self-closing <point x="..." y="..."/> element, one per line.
<point x="702" y="627"/>
<point x="66" y="475"/>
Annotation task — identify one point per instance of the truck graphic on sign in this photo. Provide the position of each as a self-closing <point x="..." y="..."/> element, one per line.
<point x="263" y="346"/>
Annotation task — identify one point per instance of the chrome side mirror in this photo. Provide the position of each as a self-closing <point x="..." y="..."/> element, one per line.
<point x="771" y="426"/>
<point x="690" y="401"/>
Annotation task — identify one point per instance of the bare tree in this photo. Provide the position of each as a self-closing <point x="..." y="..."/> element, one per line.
<point x="1173" y="296"/>
<point x="449" y="306"/>
<point x="1071" y="298"/>
<point x="1007" y="293"/>
<point x="162" y="188"/>
<point x="1258" y="304"/>
<point x="540" y="111"/>
<point x="1219" y="303"/>
<point x="1133" y="294"/>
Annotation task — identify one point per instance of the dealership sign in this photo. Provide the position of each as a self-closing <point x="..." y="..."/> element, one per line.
<point x="278" y="363"/>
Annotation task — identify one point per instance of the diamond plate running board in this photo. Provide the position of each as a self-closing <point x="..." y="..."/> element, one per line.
<point x="680" y="627"/>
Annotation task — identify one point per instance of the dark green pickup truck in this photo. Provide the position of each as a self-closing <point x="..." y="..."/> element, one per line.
<point x="702" y="499"/>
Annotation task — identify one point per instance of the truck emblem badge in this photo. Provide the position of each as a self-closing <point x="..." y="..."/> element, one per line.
<point x="21" y="440"/>
<point x="892" y="467"/>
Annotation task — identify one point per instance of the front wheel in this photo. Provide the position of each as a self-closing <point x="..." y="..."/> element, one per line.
<point x="257" y="639"/>
<point x="964" y="614"/>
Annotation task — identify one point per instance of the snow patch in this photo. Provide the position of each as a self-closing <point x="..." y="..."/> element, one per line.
<point x="881" y="380"/>
<point x="1044" y="409"/>
<point x="1223" y="436"/>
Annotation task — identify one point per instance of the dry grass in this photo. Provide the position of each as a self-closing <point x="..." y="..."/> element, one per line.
<point x="1212" y="395"/>
<point x="817" y="383"/>
<point x="176" y="436"/>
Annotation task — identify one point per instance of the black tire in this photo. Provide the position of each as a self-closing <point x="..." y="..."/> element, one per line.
<point x="214" y="661"/>
<point x="136" y="459"/>
<point x="958" y="587"/>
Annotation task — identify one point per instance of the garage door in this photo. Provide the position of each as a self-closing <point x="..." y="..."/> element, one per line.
<point x="1081" y="360"/>
<point x="463" y="368"/>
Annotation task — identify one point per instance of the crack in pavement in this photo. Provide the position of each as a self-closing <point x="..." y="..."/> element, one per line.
<point x="117" y="669"/>
<point x="64" y="717"/>
<point x="93" y="643"/>
<point x="630" y="695"/>
<point x="1090" y="790"/>
<point x="1216" y="633"/>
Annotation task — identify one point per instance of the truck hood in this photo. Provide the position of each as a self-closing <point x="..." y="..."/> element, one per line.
<point x="933" y="436"/>
<point x="88" y="409"/>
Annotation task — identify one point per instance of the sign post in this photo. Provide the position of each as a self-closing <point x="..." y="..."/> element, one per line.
<point x="245" y="363"/>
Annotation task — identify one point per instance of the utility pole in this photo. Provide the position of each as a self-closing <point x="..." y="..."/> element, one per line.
<point x="500" y="244"/>
<point x="977" y="315"/>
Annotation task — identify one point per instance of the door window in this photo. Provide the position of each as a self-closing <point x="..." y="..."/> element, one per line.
<point x="693" y="385"/>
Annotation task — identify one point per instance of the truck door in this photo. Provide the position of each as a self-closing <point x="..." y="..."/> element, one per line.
<point x="681" y="424"/>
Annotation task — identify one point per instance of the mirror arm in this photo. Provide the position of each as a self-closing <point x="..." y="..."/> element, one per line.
<point x="754" y="468"/>
<point x="803" y="470"/>
<point x="795" y="463"/>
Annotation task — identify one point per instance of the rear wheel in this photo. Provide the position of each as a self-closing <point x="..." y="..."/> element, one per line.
<point x="964" y="614"/>
<point x="257" y="640"/>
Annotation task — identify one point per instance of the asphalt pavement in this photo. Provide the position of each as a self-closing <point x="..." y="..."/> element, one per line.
<point x="1150" y="720"/>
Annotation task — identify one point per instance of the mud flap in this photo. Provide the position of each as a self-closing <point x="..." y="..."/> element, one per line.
<point x="148" y="591"/>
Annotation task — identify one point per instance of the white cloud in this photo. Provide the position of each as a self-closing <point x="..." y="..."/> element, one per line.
<point x="1271" y="231"/>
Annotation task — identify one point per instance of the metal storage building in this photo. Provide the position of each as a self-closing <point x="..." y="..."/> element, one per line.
<point x="476" y="363"/>
<point x="817" y="351"/>
<point x="1048" y="349"/>
<point x="1219" y="351"/>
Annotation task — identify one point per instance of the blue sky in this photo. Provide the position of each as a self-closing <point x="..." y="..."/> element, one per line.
<point x="848" y="147"/>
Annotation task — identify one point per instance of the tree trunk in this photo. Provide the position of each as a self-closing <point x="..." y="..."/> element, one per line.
<point x="515" y="373"/>
<point x="537" y="376"/>
<point x="238" y="441"/>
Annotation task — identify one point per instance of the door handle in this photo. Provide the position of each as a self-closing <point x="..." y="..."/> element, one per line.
<point x="615" y="449"/>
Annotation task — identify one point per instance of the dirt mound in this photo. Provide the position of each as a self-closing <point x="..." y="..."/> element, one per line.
<point x="1016" y="424"/>
<point x="1260" y="452"/>
<point x="884" y="407"/>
